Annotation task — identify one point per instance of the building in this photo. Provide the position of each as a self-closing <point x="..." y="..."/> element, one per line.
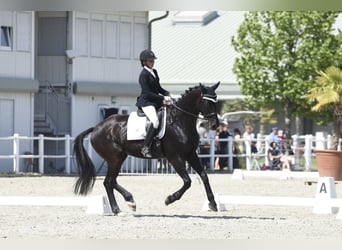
<point x="62" y="72"/>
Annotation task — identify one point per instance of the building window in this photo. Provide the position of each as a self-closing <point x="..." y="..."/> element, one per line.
<point x="6" y="37"/>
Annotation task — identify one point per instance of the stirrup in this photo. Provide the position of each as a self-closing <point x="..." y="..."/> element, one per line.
<point x="146" y="151"/>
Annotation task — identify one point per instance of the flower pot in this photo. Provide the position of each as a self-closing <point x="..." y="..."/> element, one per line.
<point x="329" y="163"/>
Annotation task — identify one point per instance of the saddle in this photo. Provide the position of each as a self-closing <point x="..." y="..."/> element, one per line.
<point x="138" y="122"/>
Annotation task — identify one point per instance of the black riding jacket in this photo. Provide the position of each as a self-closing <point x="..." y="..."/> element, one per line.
<point x="150" y="90"/>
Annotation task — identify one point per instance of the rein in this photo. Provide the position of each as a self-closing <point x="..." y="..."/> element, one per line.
<point x="206" y="117"/>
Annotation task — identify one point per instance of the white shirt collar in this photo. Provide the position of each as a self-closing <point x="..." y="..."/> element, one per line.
<point x="150" y="70"/>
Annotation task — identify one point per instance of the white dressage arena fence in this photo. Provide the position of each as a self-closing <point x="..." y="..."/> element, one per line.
<point x="239" y="174"/>
<point x="98" y="205"/>
<point x="325" y="201"/>
<point x="36" y="154"/>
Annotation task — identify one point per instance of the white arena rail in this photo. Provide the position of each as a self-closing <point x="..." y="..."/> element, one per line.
<point x="324" y="202"/>
<point x="94" y="204"/>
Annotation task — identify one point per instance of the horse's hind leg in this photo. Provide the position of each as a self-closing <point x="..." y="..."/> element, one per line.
<point x="110" y="183"/>
<point x="196" y="164"/>
<point x="127" y="196"/>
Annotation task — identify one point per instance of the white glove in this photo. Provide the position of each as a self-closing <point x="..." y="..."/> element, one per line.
<point x="167" y="98"/>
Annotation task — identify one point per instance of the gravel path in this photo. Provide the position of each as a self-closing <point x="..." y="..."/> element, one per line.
<point x="183" y="219"/>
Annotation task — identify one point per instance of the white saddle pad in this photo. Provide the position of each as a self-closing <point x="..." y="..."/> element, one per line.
<point x="136" y="126"/>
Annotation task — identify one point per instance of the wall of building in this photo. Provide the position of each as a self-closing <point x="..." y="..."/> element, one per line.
<point x="107" y="48"/>
<point x="16" y="79"/>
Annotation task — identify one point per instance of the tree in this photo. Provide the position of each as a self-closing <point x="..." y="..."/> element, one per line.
<point x="327" y="95"/>
<point x="279" y="53"/>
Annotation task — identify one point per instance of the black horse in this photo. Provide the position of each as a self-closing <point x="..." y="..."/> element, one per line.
<point x="178" y="146"/>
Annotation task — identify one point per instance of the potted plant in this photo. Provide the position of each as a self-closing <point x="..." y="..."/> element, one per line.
<point x="326" y="95"/>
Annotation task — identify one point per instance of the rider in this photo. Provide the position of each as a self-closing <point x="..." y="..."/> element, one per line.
<point x="151" y="98"/>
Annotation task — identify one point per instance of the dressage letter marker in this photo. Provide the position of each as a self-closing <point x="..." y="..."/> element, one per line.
<point x="325" y="191"/>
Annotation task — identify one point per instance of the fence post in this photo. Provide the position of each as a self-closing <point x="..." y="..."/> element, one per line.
<point x="258" y="142"/>
<point x="307" y="152"/>
<point x="230" y="153"/>
<point x="321" y="142"/>
<point x="41" y="153"/>
<point x="295" y="150"/>
<point x="267" y="146"/>
<point x="248" y="152"/>
<point x="16" y="153"/>
<point x="67" y="154"/>
<point x="329" y="141"/>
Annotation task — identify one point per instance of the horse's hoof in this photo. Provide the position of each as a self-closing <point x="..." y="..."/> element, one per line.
<point x="121" y="214"/>
<point x="213" y="207"/>
<point x="116" y="212"/>
<point x="132" y="205"/>
<point x="168" y="200"/>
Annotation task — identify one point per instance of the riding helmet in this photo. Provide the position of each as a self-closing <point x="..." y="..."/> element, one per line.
<point x="146" y="55"/>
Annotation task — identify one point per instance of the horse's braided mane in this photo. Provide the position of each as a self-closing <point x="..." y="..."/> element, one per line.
<point x="188" y="91"/>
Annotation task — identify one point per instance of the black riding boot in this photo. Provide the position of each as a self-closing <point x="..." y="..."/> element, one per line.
<point x="145" y="150"/>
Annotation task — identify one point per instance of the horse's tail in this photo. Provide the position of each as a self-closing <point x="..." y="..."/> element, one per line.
<point x="86" y="169"/>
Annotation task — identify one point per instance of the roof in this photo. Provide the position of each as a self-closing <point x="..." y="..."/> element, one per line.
<point x="189" y="53"/>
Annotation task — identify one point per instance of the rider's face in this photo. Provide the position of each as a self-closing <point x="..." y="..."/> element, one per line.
<point x="149" y="63"/>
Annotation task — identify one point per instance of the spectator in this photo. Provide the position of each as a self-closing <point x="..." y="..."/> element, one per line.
<point x="278" y="161"/>
<point x="204" y="146"/>
<point x="273" y="137"/>
<point x="237" y="147"/>
<point x="217" y="147"/>
<point x="224" y="134"/>
<point x="248" y="131"/>
<point x="254" y="148"/>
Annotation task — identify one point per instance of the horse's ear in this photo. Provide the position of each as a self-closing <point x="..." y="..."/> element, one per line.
<point x="203" y="89"/>
<point x="216" y="85"/>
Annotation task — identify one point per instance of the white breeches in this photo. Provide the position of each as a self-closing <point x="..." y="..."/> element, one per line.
<point x="150" y="112"/>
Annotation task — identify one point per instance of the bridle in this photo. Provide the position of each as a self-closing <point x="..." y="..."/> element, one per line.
<point x="211" y="98"/>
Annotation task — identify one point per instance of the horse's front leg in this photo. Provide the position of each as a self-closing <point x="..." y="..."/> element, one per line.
<point x="196" y="164"/>
<point x="179" y="165"/>
<point x="109" y="184"/>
